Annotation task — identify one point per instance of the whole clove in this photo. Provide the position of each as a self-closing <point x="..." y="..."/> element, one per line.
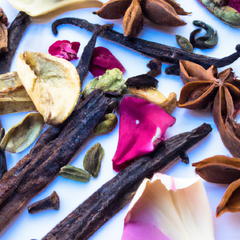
<point x="89" y="216"/>
<point x="166" y="54"/>
<point x="51" y="202"/>
<point x="15" y="33"/>
<point x="52" y="151"/>
<point x="209" y="40"/>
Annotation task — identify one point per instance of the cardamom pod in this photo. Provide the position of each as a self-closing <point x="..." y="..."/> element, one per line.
<point x="92" y="160"/>
<point x="74" y="173"/>
<point x="133" y="20"/>
<point x="107" y="124"/>
<point x="183" y="43"/>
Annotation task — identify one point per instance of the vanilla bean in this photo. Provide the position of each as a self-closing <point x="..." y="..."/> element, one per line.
<point x="166" y="54"/>
<point x="83" y="65"/>
<point x="89" y="216"/>
<point x="15" y="33"/>
<point x="35" y="172"/>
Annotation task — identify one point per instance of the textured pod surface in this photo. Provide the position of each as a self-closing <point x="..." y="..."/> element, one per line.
<point x="93" y="158"/>
<point x="22" y="135"/>
<point x="74" y="173"/>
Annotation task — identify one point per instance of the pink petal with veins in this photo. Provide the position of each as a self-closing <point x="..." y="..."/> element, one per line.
<point x="64" y="49"/>
<point x="102" y="60"/>
<point x="142" y="127"/>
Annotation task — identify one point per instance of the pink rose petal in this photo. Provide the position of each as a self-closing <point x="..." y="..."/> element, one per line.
<point x="64" y="49"/>
<point x="142" y="126"/>
<point x="102" y="60"/>
<point x="142" y="231"/>
<point x="234" y="4"/>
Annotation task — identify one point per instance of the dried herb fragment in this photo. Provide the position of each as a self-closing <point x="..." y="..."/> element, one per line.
<point x="222" y="169"/>
<point x="52" y="83"/>
<point x="54" y="149"/>
<point x="166" y="54"/>
<point x="3" y="32"/>
<point x="15" y="33"/>
<point x="107" y="124"/>
<point x="155" y="68"/>
<point x="161" y="12"/>
<point x="103" y="60"/>
<point x="13" y="96"/>
<point x="208" y="41"/>
<point x="93" y="158"/>
<point x="206" y="88"/>
<point x="141" y="81"/>
<point x="89" y="216"/>
<point x="51" y="202"/>
<point x="64" y="49"/>
<point x="22" y="135"/>
<point x="74" y="173"/>
<point x="111" y="82"/>
<point x="183" y="43"/>
<point x="223" y="11"/>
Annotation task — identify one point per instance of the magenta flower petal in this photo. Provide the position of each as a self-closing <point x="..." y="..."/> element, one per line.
<point x="234" y="4"/>
<point x="102" y="60"/>
<point x="64" y="49"/>
<point x="142" y="127"/>
<point x="142" y="231"/>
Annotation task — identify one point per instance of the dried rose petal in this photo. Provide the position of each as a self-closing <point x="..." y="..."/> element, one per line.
<point x="234" y="4"/>
<point x="64" y="49"/>
<point x="142" y="127"/>
<point x="102" y="60"/>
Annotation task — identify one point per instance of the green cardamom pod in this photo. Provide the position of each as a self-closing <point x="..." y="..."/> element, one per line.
<point x="74" y="173"/>
<point x="107" y="124"/>
<point x="183" y="43"/>
<point x="92" y="160"/>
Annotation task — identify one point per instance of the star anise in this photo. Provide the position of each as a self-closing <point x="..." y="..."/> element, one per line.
<point x="3" y="31"/>
<point x="206" y="89"/>
<point x="223" y="170"/>
<point x="161" y="12"/>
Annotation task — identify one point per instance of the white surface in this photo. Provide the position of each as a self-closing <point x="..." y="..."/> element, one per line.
<point x="39" y="38"/>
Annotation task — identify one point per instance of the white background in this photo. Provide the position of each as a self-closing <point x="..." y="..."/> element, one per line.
<point x="39" y="37"/>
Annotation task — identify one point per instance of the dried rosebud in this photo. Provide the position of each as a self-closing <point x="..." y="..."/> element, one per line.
<point x="102" y="60"/>
<point x="64" y="49"/>
<point x="142" y="127"/>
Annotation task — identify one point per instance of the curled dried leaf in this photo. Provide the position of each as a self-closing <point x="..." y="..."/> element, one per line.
<point x="113" y="9"/>
<point x="108" y="123"/>
<point x="183" y="43"/>
<point x="22" y="135"/>
<point x="52" y="83"/>
<point x="219" y="169"/>
<point x="111" y="82"/>
<point x="74" y="173"/>
<point x="154" y="96"/>
<point x="51" y="8"/>
<point x="13" y="96"/>
<point x="93" y="158"/>
<point x="230" y="201"/>
<point x="209" y="40"/>
<point x="133" y="20"/>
